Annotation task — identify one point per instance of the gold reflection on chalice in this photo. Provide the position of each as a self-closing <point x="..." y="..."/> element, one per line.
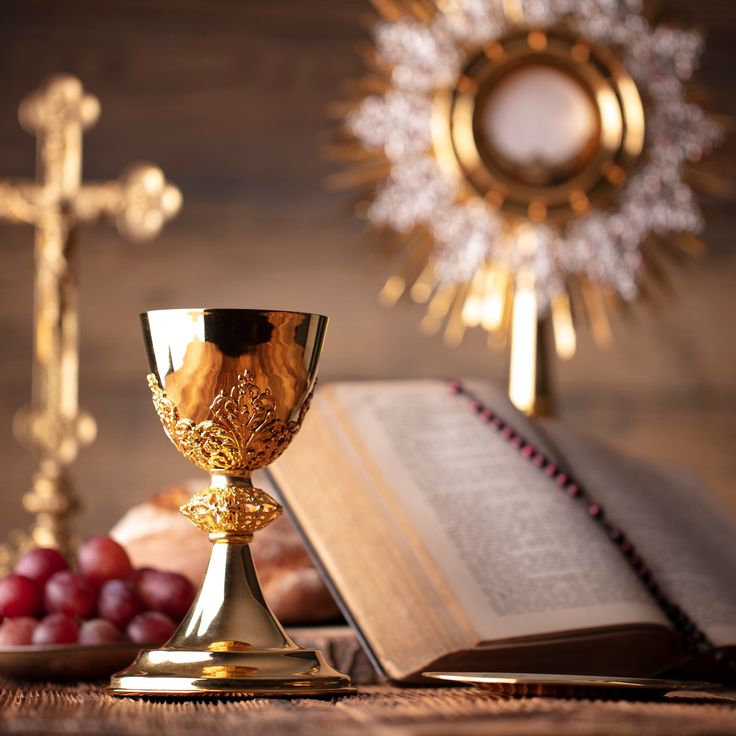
<point x="231" y="387"/>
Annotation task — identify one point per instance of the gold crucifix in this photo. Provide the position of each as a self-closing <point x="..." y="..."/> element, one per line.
<point x="56" y="204"/>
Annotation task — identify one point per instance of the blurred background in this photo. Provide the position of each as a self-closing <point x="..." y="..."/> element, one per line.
<point x="229" y="97"/>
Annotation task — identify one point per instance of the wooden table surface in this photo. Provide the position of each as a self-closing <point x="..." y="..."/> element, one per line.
<point x="87" y="710"/>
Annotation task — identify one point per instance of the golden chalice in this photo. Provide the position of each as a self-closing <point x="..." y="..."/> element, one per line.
<point x="231" y="387"/>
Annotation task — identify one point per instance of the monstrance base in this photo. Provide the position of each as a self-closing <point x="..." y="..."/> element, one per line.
<point x="286" y="673"/>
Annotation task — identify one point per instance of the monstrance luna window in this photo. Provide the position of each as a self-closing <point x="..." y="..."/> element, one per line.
<point x="525" y="149"/>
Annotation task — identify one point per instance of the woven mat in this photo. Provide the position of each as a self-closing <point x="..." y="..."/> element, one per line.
<point x="384" y="710"/>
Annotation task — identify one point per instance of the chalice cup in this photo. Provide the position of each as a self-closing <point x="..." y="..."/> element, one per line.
<point x="231" y="387"/>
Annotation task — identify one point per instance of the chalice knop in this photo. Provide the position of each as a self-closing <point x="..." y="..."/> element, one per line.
<point x="231" y="387"/>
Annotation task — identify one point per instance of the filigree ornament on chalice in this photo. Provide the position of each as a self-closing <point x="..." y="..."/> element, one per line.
<point x="242" y="433"/>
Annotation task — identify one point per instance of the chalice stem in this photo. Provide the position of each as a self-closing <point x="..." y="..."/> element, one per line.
<point x="230" y="612"/>
<point x="230" y="642"/>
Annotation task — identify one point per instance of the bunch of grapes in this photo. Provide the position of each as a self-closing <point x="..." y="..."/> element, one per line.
<point x="45" y="602"/>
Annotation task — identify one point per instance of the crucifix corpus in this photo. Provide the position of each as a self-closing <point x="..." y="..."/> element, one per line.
<point x="56" y="204"/>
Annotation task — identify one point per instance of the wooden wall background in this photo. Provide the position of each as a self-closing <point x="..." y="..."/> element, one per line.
<point x="229" y="97"/>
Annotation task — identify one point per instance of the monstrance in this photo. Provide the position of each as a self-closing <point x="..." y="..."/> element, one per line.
<point x="530" y="154"/>
<point x="56" y="204"/>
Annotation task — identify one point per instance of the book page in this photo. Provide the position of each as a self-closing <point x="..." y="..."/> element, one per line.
<point x="395" y="600"/>
<point x="687" y="540"/>
<point x="521" y="556"/>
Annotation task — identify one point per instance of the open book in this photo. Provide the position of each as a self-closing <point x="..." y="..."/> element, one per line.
<point x="447" y="550"/>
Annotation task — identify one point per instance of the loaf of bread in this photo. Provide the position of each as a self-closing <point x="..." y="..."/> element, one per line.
<point x="155" y="534"/>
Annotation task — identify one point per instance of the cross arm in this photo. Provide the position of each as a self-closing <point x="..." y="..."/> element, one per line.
<point x="20" y="201"/>
<point x="140" y="202"/>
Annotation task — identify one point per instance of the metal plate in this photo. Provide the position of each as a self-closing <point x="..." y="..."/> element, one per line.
<point x="550" y="685"/>
<point x="65" y="662"/>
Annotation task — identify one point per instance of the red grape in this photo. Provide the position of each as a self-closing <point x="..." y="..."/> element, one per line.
<point x="19" y="596"/>
<point x="17" y="631"/>
<point x="72" y="594"/>
<point x="167" y="592"/>
<point x="102" y="559"/>
<point x="56" y="628"/>
<point x="99" y="631"/>
<point x="138" y="573"/>
<point x="40" y="564"/>
<point x="119" y="602"/>
<point x="150" y="627"/>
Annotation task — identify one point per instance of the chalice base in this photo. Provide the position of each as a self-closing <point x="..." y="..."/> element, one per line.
<point x="230" y="644"/>
<point x="289" y="673"/>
